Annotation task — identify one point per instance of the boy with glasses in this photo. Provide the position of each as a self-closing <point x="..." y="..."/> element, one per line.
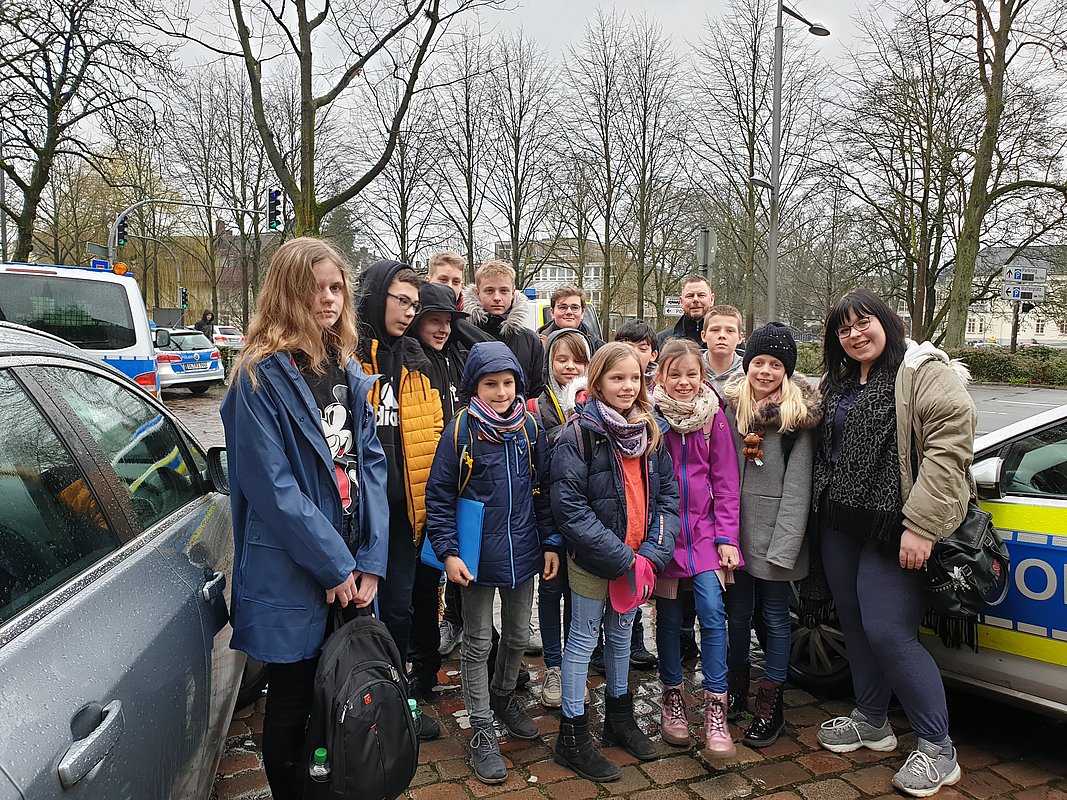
<point x="567" y="306"/>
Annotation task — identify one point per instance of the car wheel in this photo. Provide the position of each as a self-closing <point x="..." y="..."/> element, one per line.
<point x="200" y="388"/>
<point x="818" y="659"/>
<point x="253" y="682"/>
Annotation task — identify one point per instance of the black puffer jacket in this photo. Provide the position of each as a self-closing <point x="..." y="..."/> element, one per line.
<point x="589" y="501"/>
<point x="513" y="330"/>
<point x="685" y="328"/>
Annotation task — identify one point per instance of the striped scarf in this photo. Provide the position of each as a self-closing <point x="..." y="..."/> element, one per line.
<point x="492" y="426"/>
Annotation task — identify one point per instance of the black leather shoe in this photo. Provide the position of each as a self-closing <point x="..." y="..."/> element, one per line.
<point x="420" y="686"/>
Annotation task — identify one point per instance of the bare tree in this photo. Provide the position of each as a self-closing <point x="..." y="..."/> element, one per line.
<point x="65" y="66"/>
<point x="1004" y="38"/>
<point x="522" y="149"/>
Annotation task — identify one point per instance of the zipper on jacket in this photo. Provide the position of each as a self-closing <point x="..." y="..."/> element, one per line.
<point x="511" y="543"/>
<point x="685" y="504"/>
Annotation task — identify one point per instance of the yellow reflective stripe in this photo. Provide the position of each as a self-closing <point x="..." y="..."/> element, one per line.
<point x="1022" y="644"/>
<point x="1049" y="520"/>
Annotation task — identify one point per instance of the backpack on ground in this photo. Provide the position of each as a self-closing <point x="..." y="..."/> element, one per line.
<point x="360" y="715"/>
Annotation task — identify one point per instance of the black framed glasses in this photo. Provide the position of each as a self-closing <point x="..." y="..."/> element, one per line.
<point x="860" y="325"/>
<point x="405" y="302"/>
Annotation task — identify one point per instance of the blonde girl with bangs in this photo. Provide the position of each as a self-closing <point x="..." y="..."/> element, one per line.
<point x="307" y="487"/>
<point x="774" y="413"/>
<point x="615" y="501"/>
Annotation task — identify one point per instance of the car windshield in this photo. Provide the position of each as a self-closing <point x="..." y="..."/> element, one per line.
<point x="91" y="314"/>
<point x="192" y="340"/>
<point x="228" y="330"/>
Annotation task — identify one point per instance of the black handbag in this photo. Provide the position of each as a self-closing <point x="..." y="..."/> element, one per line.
<point x="965" y="573"/>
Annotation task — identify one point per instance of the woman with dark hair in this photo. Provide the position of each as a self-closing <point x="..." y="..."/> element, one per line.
<point x="890" y="478"/>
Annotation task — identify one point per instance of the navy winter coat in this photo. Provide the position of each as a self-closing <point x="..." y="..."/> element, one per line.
<point x="589" y="501"/>
<point x="286" y="508"/>
<point x="517" y="525"/>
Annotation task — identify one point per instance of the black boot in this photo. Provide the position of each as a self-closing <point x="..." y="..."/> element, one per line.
<point x="737" y="683"/>
<point x="640" y="657"/>
<point x="769" y="719"/>
<point x="575" y="749"/>
<point x="620" y="728"/>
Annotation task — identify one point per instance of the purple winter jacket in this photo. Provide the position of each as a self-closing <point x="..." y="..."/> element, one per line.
<point x="705" y="464"/>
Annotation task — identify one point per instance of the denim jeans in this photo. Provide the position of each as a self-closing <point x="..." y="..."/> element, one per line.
<point x="710" y="611"/>
<point x="516" y="607"/>
<point x="586" y="616"/>
<point x="550" y="596"/>
<point x="740" y="604"/>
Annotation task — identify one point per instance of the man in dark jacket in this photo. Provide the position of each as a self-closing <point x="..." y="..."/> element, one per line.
<point x="697" y="298"/>
<point x="206" y="324"/>
<point x="497" y="309"/>
<point x="433" y="328"/>
<point x="408" y="411"/>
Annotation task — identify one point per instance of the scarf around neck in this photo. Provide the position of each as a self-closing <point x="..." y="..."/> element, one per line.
<point x="496" y="427"/>
<point x="860" y="494"/>
<point x="630" y="438"/>
<point x="685" y="417"/>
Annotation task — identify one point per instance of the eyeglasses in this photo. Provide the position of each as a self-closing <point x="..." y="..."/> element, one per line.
<point x="860" y="325"/>
<point x="565" y="308"/>
<point x="405" y="302"/>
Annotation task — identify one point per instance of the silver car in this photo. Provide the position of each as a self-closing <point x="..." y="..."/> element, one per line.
<point x="228" y="336"/>
<point x="116" y="550"/>
<point x="1021" y="474"/>
<point x="187" y="359"/>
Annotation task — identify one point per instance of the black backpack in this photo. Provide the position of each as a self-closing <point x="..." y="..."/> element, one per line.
<point x="360" y="714"/>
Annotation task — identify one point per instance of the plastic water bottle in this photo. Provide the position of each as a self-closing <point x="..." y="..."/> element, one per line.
<point x="319" y="770"/>
<point x="413" y="706"/>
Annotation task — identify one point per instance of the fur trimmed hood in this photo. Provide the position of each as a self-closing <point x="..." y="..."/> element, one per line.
<point x="918" y="354"/>
<point x="516" y="318"/>
<point x="769" y="414"/>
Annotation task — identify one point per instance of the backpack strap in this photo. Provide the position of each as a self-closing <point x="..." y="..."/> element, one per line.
<point x="462" y="433"/>
<point x="585" y="441"/>
<point x="530" y="429"/>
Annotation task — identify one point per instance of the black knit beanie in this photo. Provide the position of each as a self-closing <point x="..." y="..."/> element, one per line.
<point x="773" y="339"/>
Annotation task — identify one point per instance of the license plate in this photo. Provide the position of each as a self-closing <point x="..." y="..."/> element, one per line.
<point x="193" y="366"/>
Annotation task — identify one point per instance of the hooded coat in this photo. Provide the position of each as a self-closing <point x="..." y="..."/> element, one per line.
<point x="589" y="501"/>
<point x="705" y="464"/>
<point x="402" y="364"/>
<point x="445" y="366"/>
<point x="206" y="326"/>
<point x="513" y="329"/>
<point x="595" y="342"/>
<point x="549" y="403"/>
<point x="506" y="477"/>
<point x="776" y="497"/>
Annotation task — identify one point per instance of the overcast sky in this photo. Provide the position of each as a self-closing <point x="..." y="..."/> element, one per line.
<point x="559" y="23"/>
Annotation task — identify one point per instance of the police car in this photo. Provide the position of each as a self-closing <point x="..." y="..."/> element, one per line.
<point x="187" y="359"/>
<point x="1021" y="473"/>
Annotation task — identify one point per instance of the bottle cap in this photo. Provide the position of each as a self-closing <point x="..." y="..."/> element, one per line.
<point x="413" y="705"/>
<point x="320" y="755"/>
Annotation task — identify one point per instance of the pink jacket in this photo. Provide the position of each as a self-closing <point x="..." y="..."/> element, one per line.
<point x="705" y="464"/>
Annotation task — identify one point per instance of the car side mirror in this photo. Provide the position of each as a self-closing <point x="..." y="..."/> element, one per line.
<point x="218" y="470"/>
<point x="162" y="338"/>
<point x="987" y="474"/>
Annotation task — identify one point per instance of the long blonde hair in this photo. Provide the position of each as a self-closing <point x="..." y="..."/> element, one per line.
<point x="284" y="319"/>
<point x="605" y="359"/>
<point x="792" y="411"/>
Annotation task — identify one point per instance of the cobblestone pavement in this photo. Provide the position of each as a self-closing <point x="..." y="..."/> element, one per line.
<point x="1004" y="752"/>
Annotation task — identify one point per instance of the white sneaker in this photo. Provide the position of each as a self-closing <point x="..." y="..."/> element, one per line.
<point x="552" y="688"/>
<point x="534" y="647"/>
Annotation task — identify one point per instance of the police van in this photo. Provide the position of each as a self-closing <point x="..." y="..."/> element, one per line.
<point x="99" y="310"/>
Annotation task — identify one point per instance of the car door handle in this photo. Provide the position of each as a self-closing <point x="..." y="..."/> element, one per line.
<point x="86" y="753"/>
<point x="214" y="586"/>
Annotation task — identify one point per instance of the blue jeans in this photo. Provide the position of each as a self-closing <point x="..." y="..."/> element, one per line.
<point x="740" y="603"/>
<point x="586" y="616"/>
<point x="550" y="596"/>
<point x="712" y="616"/>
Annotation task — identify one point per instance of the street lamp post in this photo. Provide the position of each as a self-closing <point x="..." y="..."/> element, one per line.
<point x="815" y="29"/>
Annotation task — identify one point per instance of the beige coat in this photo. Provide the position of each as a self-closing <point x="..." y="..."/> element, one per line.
<point x="936" y="415"/>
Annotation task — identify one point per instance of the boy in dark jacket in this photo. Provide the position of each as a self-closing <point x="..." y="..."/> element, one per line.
<point x="432" y="327"/>
<point x="493" y="453"/>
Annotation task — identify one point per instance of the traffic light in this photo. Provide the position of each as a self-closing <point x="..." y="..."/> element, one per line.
<point x="122" y="230"/>
<point x="184" y="297"/>
<point x="274" y="209"/>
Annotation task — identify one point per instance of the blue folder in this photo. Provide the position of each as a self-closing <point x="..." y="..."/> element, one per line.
<point x="469" y="529"/>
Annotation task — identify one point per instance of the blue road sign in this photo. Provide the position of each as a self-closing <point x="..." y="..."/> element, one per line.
<point x="99" y="263"/>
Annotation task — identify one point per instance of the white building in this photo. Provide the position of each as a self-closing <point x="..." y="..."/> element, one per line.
<point x="1044" y="324"/>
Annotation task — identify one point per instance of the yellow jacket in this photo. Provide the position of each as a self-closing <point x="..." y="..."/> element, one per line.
<point x="421" y="422"/>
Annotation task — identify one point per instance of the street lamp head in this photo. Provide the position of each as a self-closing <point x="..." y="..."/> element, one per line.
<point x="818" y="29"/>
<point x="760" y="182"/>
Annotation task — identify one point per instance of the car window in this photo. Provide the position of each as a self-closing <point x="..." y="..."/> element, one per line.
<point x="51" y="528"/>
<point x="1037" y="464"/>
<point x="142" y="444"/>
<point x="228" y="330"/>
<point x="189" y="341"/>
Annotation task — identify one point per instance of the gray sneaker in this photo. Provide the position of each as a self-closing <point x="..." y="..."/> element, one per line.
<point x="927" y="770"/>
<point x="534" y="646"/>
<point x="451" y="635"/>
<point x="485" y="755"/>
<point x="845" y="734"/>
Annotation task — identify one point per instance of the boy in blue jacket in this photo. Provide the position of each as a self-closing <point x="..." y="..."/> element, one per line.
<point x="494" y="453"/>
